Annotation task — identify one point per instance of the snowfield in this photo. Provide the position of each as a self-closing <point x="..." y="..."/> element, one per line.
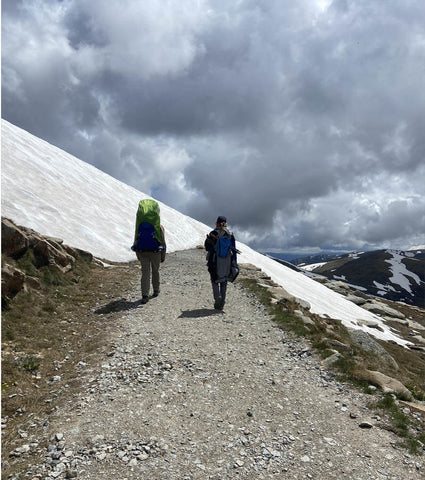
<point x="312" y="266"/>
<point x="400" y="274"/>
<point x="56" y="194"/>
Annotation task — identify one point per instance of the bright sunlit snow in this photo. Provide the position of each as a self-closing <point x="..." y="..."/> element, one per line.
<point x="56" y="194"/>
<point x="312" y="266"/>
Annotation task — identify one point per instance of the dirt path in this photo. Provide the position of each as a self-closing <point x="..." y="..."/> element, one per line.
<point x="188" y="393"/>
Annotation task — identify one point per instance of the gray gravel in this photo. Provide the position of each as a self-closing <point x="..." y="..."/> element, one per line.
<point x="190" y="393"/>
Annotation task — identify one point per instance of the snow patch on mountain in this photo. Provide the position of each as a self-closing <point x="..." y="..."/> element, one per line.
<point x="401" y="276"/>
<point x="382" y="289"/>
<point x="312" y="266"/>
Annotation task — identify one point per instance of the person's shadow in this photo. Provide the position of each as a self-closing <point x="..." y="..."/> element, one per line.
<point x="201" y="312"/>
<point x="118" y="306"/>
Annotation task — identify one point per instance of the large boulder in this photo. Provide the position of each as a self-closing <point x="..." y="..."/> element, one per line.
<point x="387" y="384"/>
<point x="364" y="341"/>
<point x="12" y="281"/>
<point x="358" y="300"/>
<point x="14" y="241"/>
<point x="280" y="294"/>
<point x="382" y="309"/>
<point x="302" y="303"/>
<point x="339" y="287"/>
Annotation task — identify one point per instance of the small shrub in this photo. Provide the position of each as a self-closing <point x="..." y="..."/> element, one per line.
<point x="29" y="363"/>
<point x="417" y="392"/>
<point x="48" y="306"/>
<point x="51" y="276"/>
<point x="27" y="263"/>
<point x="322" y="348"/>
<point x="401" y="424"/>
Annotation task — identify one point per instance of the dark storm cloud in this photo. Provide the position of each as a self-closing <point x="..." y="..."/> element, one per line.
<point x="398" y="218"/>
<point x="300" y="121"/>
<point x="82" y="30"/>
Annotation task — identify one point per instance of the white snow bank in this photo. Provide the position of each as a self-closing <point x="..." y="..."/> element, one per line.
<point x="56" y="194"/>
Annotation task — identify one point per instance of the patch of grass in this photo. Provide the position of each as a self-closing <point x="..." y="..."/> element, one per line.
<point x="284" y="318"/>
<point x="27" y="263"/>
<point x="401" y="424"/>
<point x="416" y="392"/>
<point x="323" y="347"/>
<point x="51" y="276"/>
<point x="29" y="363"/>
<point x="48" y="306"/>
<point x="263" y="295"/>
<point x="318" y="333"/>
<point x="347" y="366"/>
<point x="287" y="319"/>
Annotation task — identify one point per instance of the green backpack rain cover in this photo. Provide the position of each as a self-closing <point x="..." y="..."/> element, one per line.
<point x="148" y="211"/>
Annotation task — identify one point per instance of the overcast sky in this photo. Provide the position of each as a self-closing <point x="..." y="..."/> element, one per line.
<point x="302" y="121"/>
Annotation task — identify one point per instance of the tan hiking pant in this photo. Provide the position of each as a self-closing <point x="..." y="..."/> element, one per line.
<point x="150" y="262"/>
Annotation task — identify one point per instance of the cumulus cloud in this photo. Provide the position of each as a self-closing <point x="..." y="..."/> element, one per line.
<point x="302" y="122"/>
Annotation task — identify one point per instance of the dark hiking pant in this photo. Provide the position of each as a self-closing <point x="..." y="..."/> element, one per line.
<point x="150" y="262"/>
<point x="219" y="290"/>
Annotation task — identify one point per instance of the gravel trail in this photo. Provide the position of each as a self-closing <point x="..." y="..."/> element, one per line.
<point x="189" y="393"/>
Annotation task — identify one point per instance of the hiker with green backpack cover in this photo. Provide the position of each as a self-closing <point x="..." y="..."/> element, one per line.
<point x="149" y="245"/>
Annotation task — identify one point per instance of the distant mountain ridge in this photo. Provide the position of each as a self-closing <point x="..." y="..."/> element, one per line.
<point x="392" y="274"/>
<point x="298" y="258"/>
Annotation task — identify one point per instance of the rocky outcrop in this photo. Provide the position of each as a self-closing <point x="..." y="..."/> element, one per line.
<point x="356" y="298"/>
<point x="50" y="252"/>
<point x="14" y="241"/>
<point x="18" y="241"/>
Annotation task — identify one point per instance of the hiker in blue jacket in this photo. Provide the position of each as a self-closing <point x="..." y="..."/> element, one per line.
<point x="221" y="256"/>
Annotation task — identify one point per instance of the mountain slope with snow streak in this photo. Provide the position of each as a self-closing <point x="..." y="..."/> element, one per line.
<point x="395" y="275"/>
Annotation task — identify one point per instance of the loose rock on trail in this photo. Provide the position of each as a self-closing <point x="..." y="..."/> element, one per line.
<point x="186" y="392"/>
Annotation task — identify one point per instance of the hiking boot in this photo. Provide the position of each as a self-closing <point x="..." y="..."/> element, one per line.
<point x="145" y="299"/>
<point x="218" y="303"/>
<point x="155" y="293"/>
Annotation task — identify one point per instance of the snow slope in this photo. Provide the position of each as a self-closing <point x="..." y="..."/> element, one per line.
<point x="56" y="194"/>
